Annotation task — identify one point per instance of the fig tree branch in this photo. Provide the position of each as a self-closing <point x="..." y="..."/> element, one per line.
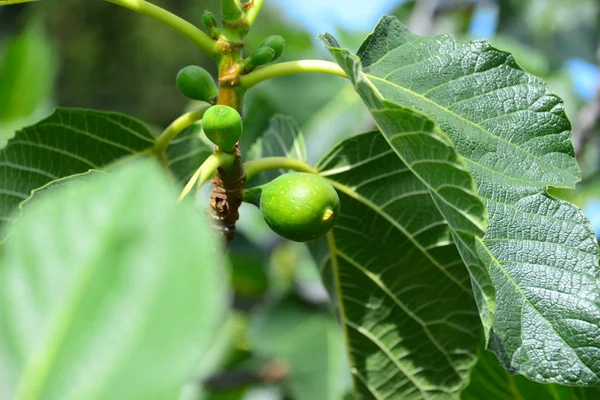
<point x="288" y="68"/>
<point x="269" y="163"/>
<point x="176" y="127"/>
<point x="197" y="36"/>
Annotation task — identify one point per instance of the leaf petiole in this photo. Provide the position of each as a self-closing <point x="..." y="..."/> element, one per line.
<point x="178" y="24"/>
<point x="9" y="2"/>
<point x="206" y="170"/>
<point x="288" y="68"/>
<point x="176" y="127"/>
<point x="269" y="163"/>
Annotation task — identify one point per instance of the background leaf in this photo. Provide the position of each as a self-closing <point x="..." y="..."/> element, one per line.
<point x="27" y="72"/>
<point x="515" y="138"/>
<point x="308" y="342"/>
<point x="106" y="299"/>
<point x="282" y="139"/>
<point x="406" y="303"/>
<point x="186" y="153"/>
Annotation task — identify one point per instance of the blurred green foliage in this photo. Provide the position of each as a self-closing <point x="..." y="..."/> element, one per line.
<point x="94" y="55"/>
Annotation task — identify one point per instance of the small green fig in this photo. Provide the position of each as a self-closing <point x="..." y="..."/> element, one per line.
<point x="275" y="42"/>
<point x="262" y="56"/>
<point x="298" y="206"/>
<point x="196" y="83"/>
<point x="209" y="20"/>
<point x="223" y="126"/>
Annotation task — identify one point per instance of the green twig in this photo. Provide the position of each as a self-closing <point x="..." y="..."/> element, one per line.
<point x="201" y="39"/>
<point x="176" y="127"/>
<point x="253" y="12"/>
<point x="9" y="2"/>
<point x="206" y="170"/>
<point x="290" y="67"/>
<point x="269" y="163"/>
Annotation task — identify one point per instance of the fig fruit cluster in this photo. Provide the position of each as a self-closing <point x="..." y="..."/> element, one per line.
<point x="269" y="50"/>
<point x="297" y="206"/>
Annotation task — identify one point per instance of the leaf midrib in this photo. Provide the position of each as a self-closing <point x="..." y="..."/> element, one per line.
<point x="566" y="177"/>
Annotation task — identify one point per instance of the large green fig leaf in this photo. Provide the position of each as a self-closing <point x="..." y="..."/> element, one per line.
<point x="404" y="293"/>
<point x="73" y="141"/>
<point x="541" y="284"/>
<point x="109" y="290"/>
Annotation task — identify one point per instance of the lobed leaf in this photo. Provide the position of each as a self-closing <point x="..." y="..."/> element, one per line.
<point x="535" y="272"/>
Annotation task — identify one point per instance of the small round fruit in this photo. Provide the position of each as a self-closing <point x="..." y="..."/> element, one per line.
<point x="223" y="126"/>
<point x="261" y="56"/>
<point x="299" y="206"/>
<point x="275" y="42"/>
<point x="196" y="83"/>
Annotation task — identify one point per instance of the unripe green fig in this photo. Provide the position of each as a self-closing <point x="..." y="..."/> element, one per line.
<point x="196" y="83"/>
<point x="223" y="126"/>
<point x="298" y="206"/>
<point x="275" y="42"/>
<point x="262" y="56"/>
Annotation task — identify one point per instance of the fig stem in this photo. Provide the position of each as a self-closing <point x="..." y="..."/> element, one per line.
<point x="206" y="170"/>
<point x="269" y="163"/>
<point x="253" y="11"/>
<point x="9" y="2"/>
<point x="176" y="127"/>
<point x="288" y="68"/>
<point x="252" y="195"/>
<point x="178" y="24"/>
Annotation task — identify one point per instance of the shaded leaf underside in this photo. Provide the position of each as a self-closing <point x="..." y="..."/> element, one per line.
<point x="411" y="322"/>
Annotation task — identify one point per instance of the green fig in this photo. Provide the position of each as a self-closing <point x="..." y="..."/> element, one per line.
<point x="262" y="56"/>
<point x="223" y="126"/>
<point x="275" y="42"/>
<point x="196" y="83"/>
<point x="297" y="206"/>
